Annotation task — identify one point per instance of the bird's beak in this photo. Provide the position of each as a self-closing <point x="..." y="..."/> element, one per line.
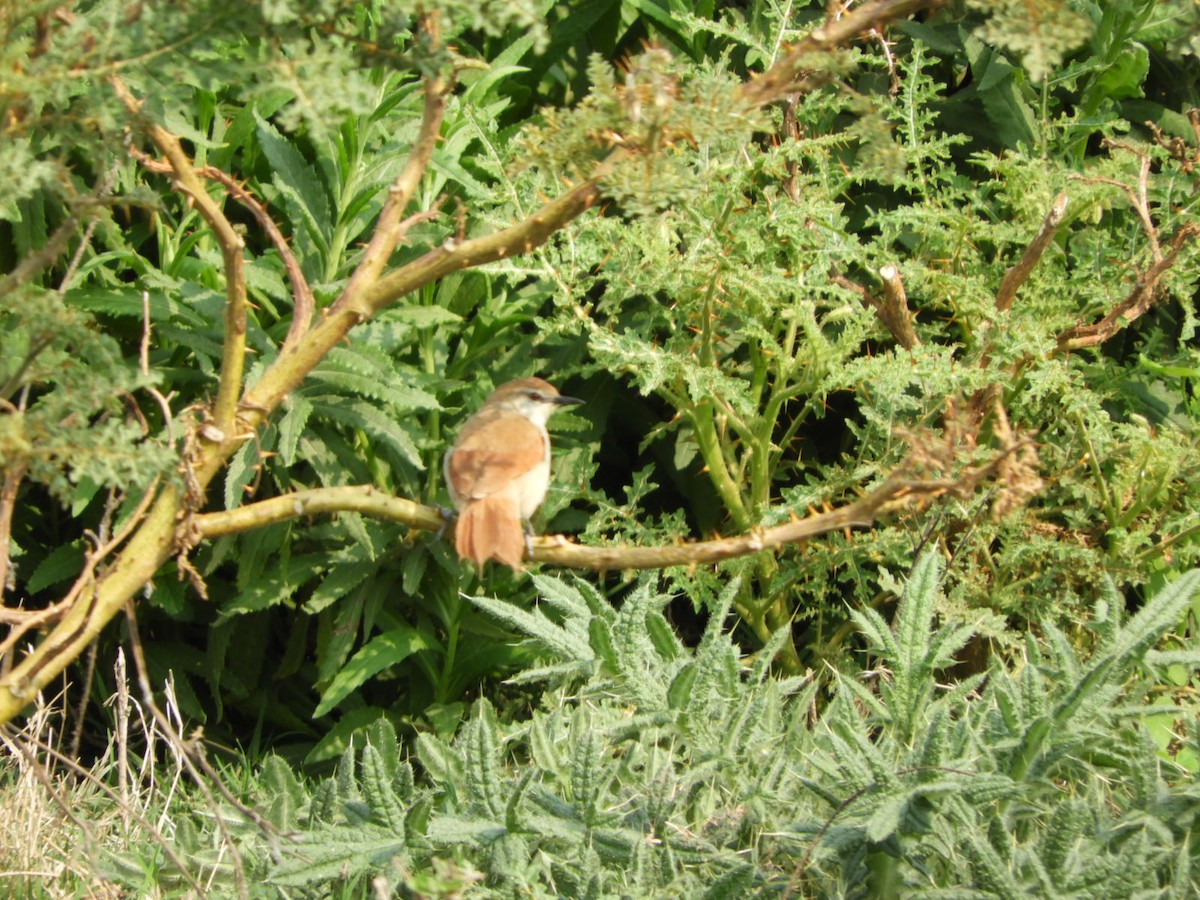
<point x="567" y="401"/>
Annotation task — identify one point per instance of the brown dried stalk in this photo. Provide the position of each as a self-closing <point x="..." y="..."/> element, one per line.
<point x="789" y="74"/>
<point x="892" y="310"/>
<point x="1135" y="304"/>
<point x="1019" y="272"/>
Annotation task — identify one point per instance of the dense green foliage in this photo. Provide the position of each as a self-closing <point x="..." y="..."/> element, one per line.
<point x="724" y="313"/>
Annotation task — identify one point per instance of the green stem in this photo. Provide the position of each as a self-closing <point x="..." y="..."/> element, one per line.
<point x="702" y="418"/>
<point x="1106" y="500"/>
<point x="451" y="617"/>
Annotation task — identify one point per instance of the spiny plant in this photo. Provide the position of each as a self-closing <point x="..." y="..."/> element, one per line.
<point x="804" y="264"/>
<point x="648" y="768"/>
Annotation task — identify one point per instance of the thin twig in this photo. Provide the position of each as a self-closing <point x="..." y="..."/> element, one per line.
<point x="13" y="475"/>
<point x="144" y="349"/>
<point x="85" y="690"/>
<point x="101" y="191"/>
<point x="303" y="302"/>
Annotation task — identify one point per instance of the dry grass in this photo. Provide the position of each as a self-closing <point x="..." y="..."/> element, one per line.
<point x="69" y="831"/>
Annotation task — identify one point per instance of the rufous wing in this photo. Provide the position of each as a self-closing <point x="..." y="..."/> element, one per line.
<point x="493" y="452"/>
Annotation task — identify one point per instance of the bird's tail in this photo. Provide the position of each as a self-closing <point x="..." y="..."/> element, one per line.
<point x="491" y="529"/>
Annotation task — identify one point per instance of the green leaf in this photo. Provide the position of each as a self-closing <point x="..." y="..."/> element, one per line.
<point x="329" y="853"/>
<point x="291" y="426"/>
<point x="62" y="563"/>
<point x="298" y="182"/>
<point x="887" y="815"/>
<point x="338" y="739"/>
<point x="382" y="651"/>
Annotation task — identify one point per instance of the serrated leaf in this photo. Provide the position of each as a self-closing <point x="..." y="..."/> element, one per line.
<point x="337" y="583"/>
<point x="374" y="422"/>
<point x="440" y="761"/>
<point x="292" y="425"/>
<point x="60" y="564"/>
<point x="886" y="816"/>
<point x="535" y="625"/>
<point x="292" y="174"/>
<point x="335" y="852"/>
<point x="377" y="790"/>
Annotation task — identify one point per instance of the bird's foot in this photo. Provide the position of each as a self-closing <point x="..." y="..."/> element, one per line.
<point x="448" y="516"/>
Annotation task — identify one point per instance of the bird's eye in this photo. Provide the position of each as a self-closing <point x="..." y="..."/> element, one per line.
<point x="533" y="395"/>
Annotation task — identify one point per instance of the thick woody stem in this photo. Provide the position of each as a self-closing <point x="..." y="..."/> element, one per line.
<point x="892" y="310"/>
<point x="150" y="546"/>
<point x="896" y="492"/>
<point x="351" y="498"/>
<point x="895" y="312"/>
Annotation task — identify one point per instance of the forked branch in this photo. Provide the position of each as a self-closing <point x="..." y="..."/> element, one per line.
<point x="789" y="74"/>
<point x="371" y="288"/>
<point x="233" y="353"/>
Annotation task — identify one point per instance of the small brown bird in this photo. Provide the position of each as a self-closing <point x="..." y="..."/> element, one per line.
<point x="498" y="470"/>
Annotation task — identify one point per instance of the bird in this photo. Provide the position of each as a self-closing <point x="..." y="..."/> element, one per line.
<point x="498" y="470"/>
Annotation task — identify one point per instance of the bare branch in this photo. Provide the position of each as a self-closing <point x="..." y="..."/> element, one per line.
<point x="788" y="75"/>
<point x="303" y="303"/>
<point x="23" y="621"/>
<point x="892" y="310"/>
<point x="515" y="240"/>
<point x="1018" y="273"/>
<point x="159" y="536"/>
<point x="899" y="490"/>
<point x="392" y="225"/>
<point x="353" y="498"/>
<point x="1187" y="157"/>
<point x="13" y="476"/>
